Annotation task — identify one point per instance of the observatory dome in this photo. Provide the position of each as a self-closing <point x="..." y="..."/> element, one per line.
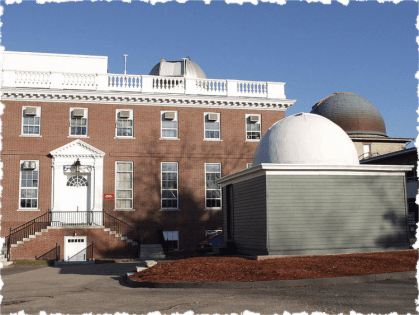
<point x="306" y="139"/>
<point x="177" y="68"/>
<point x="353" y="113"/>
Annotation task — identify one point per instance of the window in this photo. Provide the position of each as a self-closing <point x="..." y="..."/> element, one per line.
<point x="367" y="151"/>
<point x="212" y="190"/>
<point x="253" y="127"/>
<point x="172" y="239"/>
<point x="78" y="122"/>
<point x="124" y="123"/>
<point x="29" y="176"/>
<point x="31" y="121"/>
<point x="123" y="185"/>
<point x="77" y="181"/>
<point x="212" y="126"/>
<point x="249" y="165"/>
<point x="169" y="125"/>
<point x="169" y="185"/>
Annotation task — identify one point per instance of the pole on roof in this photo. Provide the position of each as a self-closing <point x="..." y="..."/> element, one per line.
<point x="125" y="71"/>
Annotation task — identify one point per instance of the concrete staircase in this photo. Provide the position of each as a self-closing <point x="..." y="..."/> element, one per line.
<point x="44" y="233"/>
<point x="3" y="258"/>
<point x="151" y="251"/>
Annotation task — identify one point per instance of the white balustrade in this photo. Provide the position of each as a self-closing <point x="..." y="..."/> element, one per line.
<point x="144" y="84"/>
<point x="79" y="80"/>
<point x="249" y="88"/>
<point x="31" y="78"/>
<point x="168" y="84"/>
<point x="211" y="87"/>
<point x="124" y="82"/>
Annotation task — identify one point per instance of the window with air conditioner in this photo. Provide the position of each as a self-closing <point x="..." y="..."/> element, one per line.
<point x="124" y="123"/>
<point x="29" y="185"/>
<point x="253" y="127"/>
<point x="31" y="121"/>
<point x="169" y="125"/>
<point x="78" y="122"/>
<point x="212" y="126"/>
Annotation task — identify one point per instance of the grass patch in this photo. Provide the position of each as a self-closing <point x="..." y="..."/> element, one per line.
<point x="24" y="262"/>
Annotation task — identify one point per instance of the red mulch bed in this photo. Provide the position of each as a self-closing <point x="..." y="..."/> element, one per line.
<point x="234" y="269"/>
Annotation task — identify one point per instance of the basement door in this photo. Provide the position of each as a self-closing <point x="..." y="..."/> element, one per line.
<point x="75" y="248"/>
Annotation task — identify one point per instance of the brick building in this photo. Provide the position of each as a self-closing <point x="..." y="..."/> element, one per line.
<point x="112" y="159"/>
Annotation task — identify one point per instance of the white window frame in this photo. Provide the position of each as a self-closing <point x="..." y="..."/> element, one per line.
<point x="209" y="232"/>
<point x="116" y="186"/>
<point x="131" y="118"/>
<point x="161" y="125"/>
<point x="177" y="187"/>
<point x="24" y="187"/>
<point x="367" y="154"/>
<point x="206" y="189"/>
<point x="248" y="132"/>
<point x="215" y="130"/>
<point x="38" y="115"/>
<point x="249" y="165"/>
<point x="171" y="236"/>
<point x="86" y="116"/>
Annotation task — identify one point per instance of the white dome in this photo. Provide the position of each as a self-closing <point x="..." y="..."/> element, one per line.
<point x="306" y="139"/>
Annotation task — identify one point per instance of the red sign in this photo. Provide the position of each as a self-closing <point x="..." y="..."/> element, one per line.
<point x="108" y="196"/>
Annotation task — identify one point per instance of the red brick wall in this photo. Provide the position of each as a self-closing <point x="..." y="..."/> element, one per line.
<point x="105" y="245"/>
<point x="146" y="151"/>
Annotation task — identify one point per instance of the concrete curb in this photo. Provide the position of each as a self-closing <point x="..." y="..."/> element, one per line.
<point x="273" y="284"/>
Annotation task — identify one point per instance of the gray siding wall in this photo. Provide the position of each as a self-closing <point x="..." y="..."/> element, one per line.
<point x="322" y="214"/>
<point x="250" y="216"/>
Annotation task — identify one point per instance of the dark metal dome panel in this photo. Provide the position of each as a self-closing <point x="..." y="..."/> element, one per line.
<point x="353" y="113"/>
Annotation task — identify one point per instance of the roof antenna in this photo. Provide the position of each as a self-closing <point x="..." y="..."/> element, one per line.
<point x="125" y="72"/>
<point x="184" y="66"/>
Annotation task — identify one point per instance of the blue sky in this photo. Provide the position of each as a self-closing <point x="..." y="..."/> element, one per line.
<point x="367" y="48"/>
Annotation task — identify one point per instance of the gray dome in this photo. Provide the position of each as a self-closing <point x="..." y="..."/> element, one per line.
<point x="353" y="113"/>
<point x="176" y="68"/>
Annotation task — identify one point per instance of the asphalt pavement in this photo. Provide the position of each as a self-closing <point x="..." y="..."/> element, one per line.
<point x="103" y="288"/>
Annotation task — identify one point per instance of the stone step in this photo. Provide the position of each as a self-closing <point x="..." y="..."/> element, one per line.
<point x="26" y="239"/>
<point x="32" y="236"/>
<point x="152" y="251"/>
<point x="38" y="233"/>
<point x="19" y="243"/>
<point x="5" y="262"/>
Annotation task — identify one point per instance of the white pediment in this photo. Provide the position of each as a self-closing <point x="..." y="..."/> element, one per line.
<point x="77" y="148"/>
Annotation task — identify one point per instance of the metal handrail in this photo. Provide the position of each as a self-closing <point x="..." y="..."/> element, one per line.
<point x="45" y="220"/>
<point x="26" y="229"/>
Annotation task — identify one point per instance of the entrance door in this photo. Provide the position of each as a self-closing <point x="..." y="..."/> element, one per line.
<point x="75" y="248"/>
<point x="77" y="198"/>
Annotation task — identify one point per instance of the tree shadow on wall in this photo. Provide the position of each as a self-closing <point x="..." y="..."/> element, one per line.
<point x="399" y="239"/>
<point x="148" y="218"/>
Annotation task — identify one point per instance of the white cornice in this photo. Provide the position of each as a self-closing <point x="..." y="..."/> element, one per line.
<point x="130" y="98"/>
<point x="89" y="151"/>
<point x="303" y="169"/>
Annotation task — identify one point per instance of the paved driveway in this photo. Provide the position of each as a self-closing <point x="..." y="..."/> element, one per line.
<point x="101" y="288"/>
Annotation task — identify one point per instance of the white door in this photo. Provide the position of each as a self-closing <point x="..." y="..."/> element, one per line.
<point x="75" y="248"/>
<point x="77" y="194"/>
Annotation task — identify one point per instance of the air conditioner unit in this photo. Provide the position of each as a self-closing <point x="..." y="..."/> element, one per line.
<point x="78" y="112"/>
<point x="212" y="116"/>
<point x="30" y="111"/>
<point x="29" y="165"/>
<point x="124" y="114"/>
<point x="169" y="115"/>
<point x="253" y="118"/>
